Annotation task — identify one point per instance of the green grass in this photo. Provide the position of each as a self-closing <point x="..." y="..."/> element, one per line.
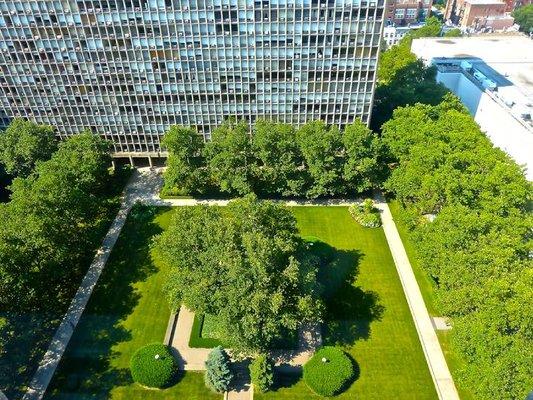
<point x="424" y="280"/>
<point x="126" y="311"/>
<point x="202" y="335"/>
<point x="454" y="360"/>
<point x="367" y="313"/>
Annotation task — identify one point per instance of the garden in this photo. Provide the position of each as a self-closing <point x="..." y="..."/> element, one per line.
<point x="367" y="328"/>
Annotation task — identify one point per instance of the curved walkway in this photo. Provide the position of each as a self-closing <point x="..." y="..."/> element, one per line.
<point x="438" y="368"/>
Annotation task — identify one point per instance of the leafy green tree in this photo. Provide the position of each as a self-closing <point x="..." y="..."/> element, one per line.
<point x="364" y="168"/>
<point x="453" y="33"/>
<point x="241" y="263"/>
<point x="24" y="144"/>
<point x="394" y="59"/>
<point x="186" y="169"/>
<point x="477" y="247"/>
<point x="523" y="16"/>
<point x="444" y="158"/>
<point x="321" y="147"/>
<point x="431" y="28"/>
<point x="218" y="374"/>
<point x="262" y="373"/>
<point x="229" y="157"/>
<point x="278" y="169"/>
<point x="50" y="226"/>
<point x="412" y="83"/>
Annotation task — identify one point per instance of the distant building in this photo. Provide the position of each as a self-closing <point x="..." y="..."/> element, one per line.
<point x="514" y="4"/>
<point x="479" y="14"/>
<point x="393" y="34"/>
<point x="492" y="77"/>
<point x="404" y="12"/>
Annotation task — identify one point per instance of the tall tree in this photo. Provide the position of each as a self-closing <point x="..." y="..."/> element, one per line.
<point x="49" y="226"/>
<point x="477" y="247"/>
<point x="241" y="263"/>
<point x="364" y="168"/>
<point x="523" y="16"/>
<point x="186" y="170"/>
<point x="278" y="170"/>
<point x="229" y="157"/>
<point x="24" y="144"/>
<point x="321" y="147"/>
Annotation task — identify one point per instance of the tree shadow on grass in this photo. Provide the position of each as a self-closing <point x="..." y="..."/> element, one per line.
<point x="286" y="380"/>
<point x="86" y="370"/>
<point x="350" y="310"/>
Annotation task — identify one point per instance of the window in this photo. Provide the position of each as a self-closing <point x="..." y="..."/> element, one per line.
<point x="411" y="13"/>
<point x="399" y="13"/>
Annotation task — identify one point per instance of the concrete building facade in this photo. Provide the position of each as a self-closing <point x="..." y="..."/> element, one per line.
<point x="129" y="69"/>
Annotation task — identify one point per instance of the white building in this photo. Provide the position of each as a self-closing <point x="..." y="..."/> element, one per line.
<point x="493" y="77"/>
<point x="393" y="34"/>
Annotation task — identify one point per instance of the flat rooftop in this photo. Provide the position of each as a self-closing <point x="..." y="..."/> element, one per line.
<point x="481" y="2"/>
<point x="510" y="56"/>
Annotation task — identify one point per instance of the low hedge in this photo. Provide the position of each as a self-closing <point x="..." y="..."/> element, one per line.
<point x="329" y="371"/>
<point x="154" y="366"/>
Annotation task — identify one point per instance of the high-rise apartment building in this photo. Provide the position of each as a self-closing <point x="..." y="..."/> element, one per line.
<point x="129" y="69"/>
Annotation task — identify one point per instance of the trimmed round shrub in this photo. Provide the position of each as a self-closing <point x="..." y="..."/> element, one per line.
<point x="262" y="373"/>
<point x="329" y="371"/>
<point x="154" y="366"/>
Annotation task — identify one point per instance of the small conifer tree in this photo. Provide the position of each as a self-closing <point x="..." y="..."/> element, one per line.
<point x="218" y="374"/>
<point x="262" y="373"/>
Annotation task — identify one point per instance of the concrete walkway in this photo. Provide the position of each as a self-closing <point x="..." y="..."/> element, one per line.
<point x="189" y="359"/>
<point x="45" y="371"/>
<point x="438" y="368"/>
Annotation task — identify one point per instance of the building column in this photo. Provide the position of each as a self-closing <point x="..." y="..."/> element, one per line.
<point x="150" y="162"/>
<point x="131" y="161"/>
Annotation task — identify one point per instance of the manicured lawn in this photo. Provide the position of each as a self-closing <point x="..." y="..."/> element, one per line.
<point x="367" y="313"/>
<point x="454" y="361"/>
<point x="202" y="335"/>
<point x="126" y="311"/>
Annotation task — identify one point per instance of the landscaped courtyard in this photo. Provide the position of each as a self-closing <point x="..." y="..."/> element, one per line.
<point x="366" y="314"/>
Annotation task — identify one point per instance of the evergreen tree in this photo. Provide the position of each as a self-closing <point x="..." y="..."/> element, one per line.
<point x="218" y="375"/>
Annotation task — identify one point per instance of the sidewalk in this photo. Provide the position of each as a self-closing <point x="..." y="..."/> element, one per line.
<point x="438" y="368"/>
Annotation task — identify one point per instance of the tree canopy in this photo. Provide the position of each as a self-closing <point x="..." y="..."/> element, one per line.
<point x="24" y="144"/>
<point x="50" y="224"/>
<point x="523" y="16"/>
<point x="274" y="160"/>
<point x="403" y="79"/>
<point x="477" y="249"/>
<point x="244" y="263"/>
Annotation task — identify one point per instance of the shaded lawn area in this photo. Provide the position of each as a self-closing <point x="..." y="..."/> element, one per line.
<point x="454" y="360"/>
<point x="367" y="312"/>
<point x="25" y="337"/>
<point x="126" y="311"/>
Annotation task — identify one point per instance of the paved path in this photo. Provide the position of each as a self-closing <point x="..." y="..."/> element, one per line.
<point x="428" y="338"/>
<point x="51" y="358"/>
<point x="188" y="357"/>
